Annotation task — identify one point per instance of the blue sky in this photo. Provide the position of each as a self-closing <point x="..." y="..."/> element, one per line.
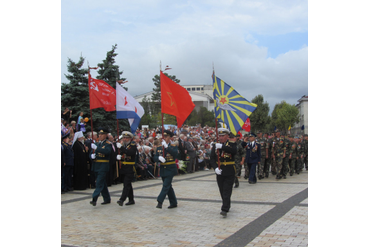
<point x="258" y="47"/>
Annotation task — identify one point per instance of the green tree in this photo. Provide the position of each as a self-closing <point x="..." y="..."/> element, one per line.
<point x="260" y="117"/>
<point x="202" y="117"/>
<point x="109" y="72"/>
<point x="284" y="115"/>
<point x="75" y="94"/>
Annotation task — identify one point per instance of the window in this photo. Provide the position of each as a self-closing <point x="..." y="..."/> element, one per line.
<point x="193" y="89"/>
<point x="198" y="88"/>
<point x="188" y="89"/>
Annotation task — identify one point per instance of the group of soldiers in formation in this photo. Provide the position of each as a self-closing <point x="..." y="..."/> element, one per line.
<point x="285" y="154"/>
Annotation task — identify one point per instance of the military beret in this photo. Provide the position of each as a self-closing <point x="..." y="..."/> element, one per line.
<point x="259" y="132"/>
<point x="231" y="135"/>
<point x="167" y="133"/>
<point x="127" y="134"/>
<point x="223" y="131"/>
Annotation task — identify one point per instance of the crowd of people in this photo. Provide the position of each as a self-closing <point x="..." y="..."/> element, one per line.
<point x="280" y="154"/>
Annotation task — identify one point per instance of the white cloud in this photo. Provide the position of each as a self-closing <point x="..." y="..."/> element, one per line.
<point x="189" y="37"/>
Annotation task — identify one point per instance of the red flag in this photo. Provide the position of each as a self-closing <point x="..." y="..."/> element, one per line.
<point x="175" y="100"/>
<point x="247" y="125"/>
<point x="101" y="95"/>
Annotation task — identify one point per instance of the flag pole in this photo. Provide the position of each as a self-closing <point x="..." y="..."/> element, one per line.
<point x="218" y="156"/>
<point x="160" y="69"/>
<point x="91" y="116"/>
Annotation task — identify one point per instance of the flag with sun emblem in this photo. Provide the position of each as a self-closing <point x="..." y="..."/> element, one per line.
<point x="230" y="107"/>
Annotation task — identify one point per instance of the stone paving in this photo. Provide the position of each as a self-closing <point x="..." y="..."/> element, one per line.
<point x="196" y="221"/>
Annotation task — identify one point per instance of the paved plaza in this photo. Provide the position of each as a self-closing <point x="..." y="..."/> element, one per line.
<point x="269" y="213"/>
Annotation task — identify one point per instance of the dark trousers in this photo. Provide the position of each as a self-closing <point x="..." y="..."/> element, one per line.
<point x="252" y="172"/>
<point x="225" y="185"/>
<point x="191" y="163"/>
<point x="127" y="190"/>
<point x="68" y="172"/>
<point x="167" y="190"/>
<point x="101" y="187"/>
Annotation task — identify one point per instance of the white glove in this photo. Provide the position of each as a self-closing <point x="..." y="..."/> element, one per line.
<point x="218" y="146"/>
<point x="164" y="144"/>
<point x="119" y="145"/>
<point x="93" y="156"/>
<point x="93" y="146"/>
<point x="119" y="157"/>
<point x="161" y="159"/>
<point x="218" y="171"/>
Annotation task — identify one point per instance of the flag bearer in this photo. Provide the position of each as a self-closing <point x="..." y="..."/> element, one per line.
<point x="166" y="155"/>
<point x="127" y="170"/>
<point x="100" y="166"/>
<point x="226" y="172"/>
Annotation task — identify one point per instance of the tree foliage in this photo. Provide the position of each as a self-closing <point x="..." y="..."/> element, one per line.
<point x="284" y="115"/>
<point x="75" y="94"/>
<point x="260" y="117"/>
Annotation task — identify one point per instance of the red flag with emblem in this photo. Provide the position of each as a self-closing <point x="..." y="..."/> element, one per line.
<point x="175" y="100"/>
<point x="101" y="95"/>
<point x="247" y="125"/>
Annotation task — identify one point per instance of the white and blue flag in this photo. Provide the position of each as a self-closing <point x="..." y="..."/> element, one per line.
<point x="128" y="108"/>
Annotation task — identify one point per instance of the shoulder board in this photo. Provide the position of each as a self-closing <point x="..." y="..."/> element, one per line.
<point x="231" y="141"/>
<point x="108" y="142"/>
<point x="133" y="143"/>
<point x="173" y="145"/>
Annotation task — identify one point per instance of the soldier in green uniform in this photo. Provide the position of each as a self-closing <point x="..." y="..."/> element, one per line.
<point x="272" y="157"/>
<point x="292" y="155"/>
<point x="225" y="154"/>
<point x="305" y="150"/>
<point x="286" y="158"/>
<point x="127" y="168"/>
<point x="239" y="157"/>
<point x="300" y="153"/>
<point x="268" y="159"/>
<point x="278" y="153"/>
<point x="100" y="166"/>
<point x="261" y="166"/>
<point x="246" y="170"/>
<point x="166" y="155"/>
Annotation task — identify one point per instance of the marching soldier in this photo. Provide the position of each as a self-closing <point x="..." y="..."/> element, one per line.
<point x="246" y="170"/>
<point x="100" y="166"/>
<point x="305" y="150"/>
<point x="300" y="153"/>
<point x="253" y="157"/>
<point x="268" y="160"/>
<point x="225" y="154"/>
<point x="167" y="154"/>
<point x="293" y="162"/>
<point x="286" y="158"/>
<point x="272" y="157"/>
<point x="127" y="170"/>
<point x="261" y="166"/>
<point x="239" y="157"/>
<point x="278" y="153"/>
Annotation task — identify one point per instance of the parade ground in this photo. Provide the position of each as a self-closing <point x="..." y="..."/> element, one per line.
<point x="269" y="213"/>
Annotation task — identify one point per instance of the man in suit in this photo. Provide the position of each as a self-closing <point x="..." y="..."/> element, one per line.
<point x="190" y="150"/>
<point x="253" y="157"/>
<point x="223" y="162"/>
<point x="100" y="166"/>
<point x="166" y="155"/>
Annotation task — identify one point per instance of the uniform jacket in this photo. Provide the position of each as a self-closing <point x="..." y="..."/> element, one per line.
<point x="227" y="155"/>
<point x="253" y="152"/>
<point x="169" y="168"/>
<point x="128" y="153"/>
<point x="68" y="155"/>
<point x="102" y="154"/>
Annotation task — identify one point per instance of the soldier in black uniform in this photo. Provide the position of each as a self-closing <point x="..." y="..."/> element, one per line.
<point x="127" y="170"/>
<point x="226" y="171"/>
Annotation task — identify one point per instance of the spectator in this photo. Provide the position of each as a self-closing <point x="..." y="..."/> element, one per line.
<point x="80" y="120"/>
<point x="67" y="114"/>
<point x="80" y="162"/>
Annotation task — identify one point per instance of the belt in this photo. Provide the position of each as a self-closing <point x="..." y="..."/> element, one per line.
<point x="128" y="163"/>
<point x="228" y="163"/>
<point x="169" y="163"/>
<point x="101" y="160"/>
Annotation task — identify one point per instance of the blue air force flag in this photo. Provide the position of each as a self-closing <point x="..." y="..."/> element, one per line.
<point x="230" y="107"/>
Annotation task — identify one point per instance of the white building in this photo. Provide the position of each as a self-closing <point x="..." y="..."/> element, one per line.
<point x="201" y="95"/>
<point x="302" y="106"/>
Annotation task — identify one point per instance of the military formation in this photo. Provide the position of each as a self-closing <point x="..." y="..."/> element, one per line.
<point x="260" y="154"/>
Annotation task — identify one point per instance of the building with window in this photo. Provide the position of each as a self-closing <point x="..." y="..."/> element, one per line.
<point x="201" y="95"/>
<point x="301" y="127"/>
